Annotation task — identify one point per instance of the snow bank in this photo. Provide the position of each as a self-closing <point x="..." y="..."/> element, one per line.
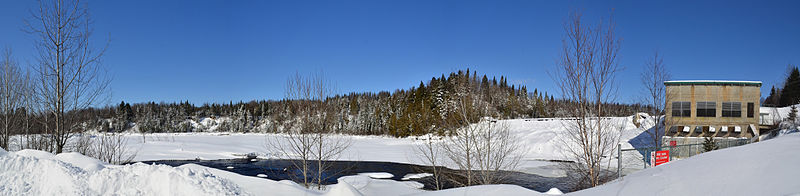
<point x="370" y="186"/>
<point x="764" y="168"/>
<point x="496" y="189"/>
<point x="81" y="161"/>
<point x="254" y="185"/>
<point x="416" y="176"/>
<point x="553" y="191"/>
<point x="31" y="172"/>
<point x="377" y="175"/>
<point x="342" y="188"/>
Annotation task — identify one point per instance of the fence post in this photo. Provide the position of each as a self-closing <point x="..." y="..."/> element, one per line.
<point x="619" y="160"/>
<point x="644" y="158"/>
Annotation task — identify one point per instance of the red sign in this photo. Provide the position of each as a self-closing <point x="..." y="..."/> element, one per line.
<point x="673" y="143"/>
<point x="659" y="157"/>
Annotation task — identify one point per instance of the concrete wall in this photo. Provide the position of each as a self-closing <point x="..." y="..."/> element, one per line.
<point x="713" y="93"/>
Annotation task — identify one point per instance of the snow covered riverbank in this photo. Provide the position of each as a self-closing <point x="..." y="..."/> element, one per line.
<point x="764" y="168"/>
<point x="31" y="172"/>
<point x="539" y="139"/>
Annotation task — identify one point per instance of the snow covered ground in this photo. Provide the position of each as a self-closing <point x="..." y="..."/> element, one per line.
<point x="540" y="139"/>
<point x="764" y="168"/>
<point x="31" y="172"/>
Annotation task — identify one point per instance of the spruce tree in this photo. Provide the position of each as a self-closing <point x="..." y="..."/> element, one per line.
<point x="709" y="144"/>
<point x="791" y="89"/>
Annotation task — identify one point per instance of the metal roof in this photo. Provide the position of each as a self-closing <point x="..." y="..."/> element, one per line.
<point x="712" y="82"/>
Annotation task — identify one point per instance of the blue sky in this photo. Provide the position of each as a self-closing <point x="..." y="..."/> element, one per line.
<point x="218" y="51"/>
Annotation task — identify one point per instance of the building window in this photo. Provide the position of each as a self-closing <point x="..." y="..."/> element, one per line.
<point x="707" y="109"/>
<point x="681" y="109"/>
<point x="750" y="108"/>
<point x="731" y="109"/>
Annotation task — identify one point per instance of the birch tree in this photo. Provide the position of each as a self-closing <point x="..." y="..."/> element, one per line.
<point x="653" y="79"/>
<point x="69" y="72"/>
<point x="12" y="89"/>
<point x="310" y="138"/>
<point x="585" y="75"/>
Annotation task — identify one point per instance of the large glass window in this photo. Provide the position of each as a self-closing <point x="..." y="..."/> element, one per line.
<point x="750" y="108"/>
<point x="681" y="109"/>
<point x="707" y="109"/>
<point x="731" y="109"/>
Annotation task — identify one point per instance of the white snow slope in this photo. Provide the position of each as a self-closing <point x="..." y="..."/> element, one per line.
<point x="770" y="167"/>
<point x="30" y="172"/>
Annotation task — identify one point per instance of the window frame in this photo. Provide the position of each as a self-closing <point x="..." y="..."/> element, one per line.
<point x="750" y="110"/>
<point x="706" y="109"/>
<point x="732" y="109"/>
<point x="683" y="109"/>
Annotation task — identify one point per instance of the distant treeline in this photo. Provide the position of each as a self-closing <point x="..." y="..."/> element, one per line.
<point x="431" y="107"/>
<point x="789" y="94"/>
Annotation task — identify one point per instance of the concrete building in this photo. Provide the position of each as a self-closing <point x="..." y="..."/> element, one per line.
<point x="696" y="109"/>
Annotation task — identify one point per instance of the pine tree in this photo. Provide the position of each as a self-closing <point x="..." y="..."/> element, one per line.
<point x="709" y="144"/>
<point x="792" y="114"/>
<point x="791" y="89"/>
<point x="771" y="99"/>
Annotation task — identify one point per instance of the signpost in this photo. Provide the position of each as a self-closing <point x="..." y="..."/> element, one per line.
<point x="659" y="157"/>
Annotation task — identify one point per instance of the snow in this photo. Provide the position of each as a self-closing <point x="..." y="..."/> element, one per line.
<point x="342" y="188"/>
<point x="377" y="175"/>
<point x="540" y="139"/>
<point x="713" y="81"/>
<point x="762" y="168"/>
<point x="255" y="185"/>
<point x="30" y="172"/>
<point x="416" y="176"/>
<point x="81" y="161"/>
<point x="369" y="186"/>
<point x="495" y="189"/>
<point x="553" y="191"/>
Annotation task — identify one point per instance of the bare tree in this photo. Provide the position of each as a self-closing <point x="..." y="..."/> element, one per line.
<point x="461" y="146"/>
<point x="112" y="148"/>
<point x="310" y="137"/>
<point x="653" y="79"/>
<point x="497" y="150"/>
<point x="430" y="153"/>
<point x="69" y="69"/>
<point x="12" y="87"/>
<point x="585" y="75"/>
<point x="480" y="147"/>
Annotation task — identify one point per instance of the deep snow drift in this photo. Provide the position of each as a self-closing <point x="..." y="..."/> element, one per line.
<point x="770" y="167"/>
<point x="30" y="172"/>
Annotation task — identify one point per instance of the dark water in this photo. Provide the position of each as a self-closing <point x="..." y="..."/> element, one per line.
<point x="278" y="169"/>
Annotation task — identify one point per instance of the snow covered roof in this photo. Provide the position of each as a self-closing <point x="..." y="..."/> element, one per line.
<point x="712" y="82"/>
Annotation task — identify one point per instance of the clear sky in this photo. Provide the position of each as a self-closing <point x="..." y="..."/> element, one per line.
<point x="218" y="51"/>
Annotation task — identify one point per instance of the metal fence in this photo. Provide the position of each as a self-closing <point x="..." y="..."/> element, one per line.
<point x="634" y="159"/>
